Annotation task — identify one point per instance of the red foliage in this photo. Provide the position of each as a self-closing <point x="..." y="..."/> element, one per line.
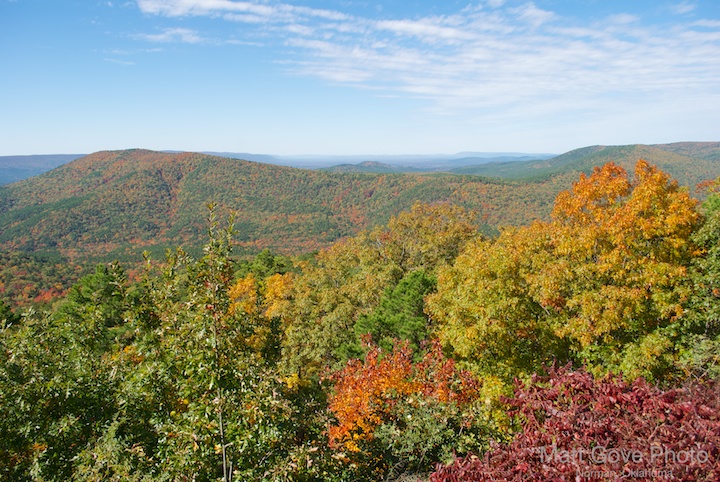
<point x="366" y="392"/>
<point x="576" y="428"/>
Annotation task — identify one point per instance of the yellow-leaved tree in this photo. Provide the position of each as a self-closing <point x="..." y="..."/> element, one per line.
<point x="603" y="283"/>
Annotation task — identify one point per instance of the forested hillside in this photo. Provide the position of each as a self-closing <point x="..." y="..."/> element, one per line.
<point x="115" y="205"/>
<point x="417" y="349"/>
<point x="115" y="202"/>
<point x="688" y="162"/>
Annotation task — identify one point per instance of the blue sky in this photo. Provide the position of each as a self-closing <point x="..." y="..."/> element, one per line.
<point x="356" y="77"/>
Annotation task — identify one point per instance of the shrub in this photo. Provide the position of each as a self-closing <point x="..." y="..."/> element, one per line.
<point x="575" y="427"/>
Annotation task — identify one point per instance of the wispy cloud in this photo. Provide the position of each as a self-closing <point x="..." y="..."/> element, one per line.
<point x="120" y="62"/>
<point x="182" y="35"/>
<point x="487" y="56"/>
<point x="683" y="7"/>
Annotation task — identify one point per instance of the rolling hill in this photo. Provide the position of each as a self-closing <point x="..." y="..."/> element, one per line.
<point x="118" y="203"/>
<point x="688" y="162"/>
<point x="366" y="166"/>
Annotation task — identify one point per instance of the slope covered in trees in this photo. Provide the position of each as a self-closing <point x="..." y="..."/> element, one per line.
<point x="688" y="162"/>
<point x="114" y="202"/>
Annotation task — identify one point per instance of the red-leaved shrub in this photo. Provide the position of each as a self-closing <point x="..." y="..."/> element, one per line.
<point x="577" y="428"/>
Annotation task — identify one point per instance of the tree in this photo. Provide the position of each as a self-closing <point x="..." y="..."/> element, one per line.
<point x="196" y="401"/>
<point x="399" y="315"/>
<point x="603" y="283"/>
<point x="215" y="406"/>
<point x="395" y="415"/>
<point x="349" y="279"/>
<point x="57" y="378"/>
<point x="701" y="342"/>
<point x="7" y="316"/>
<point x="483" y="309"/>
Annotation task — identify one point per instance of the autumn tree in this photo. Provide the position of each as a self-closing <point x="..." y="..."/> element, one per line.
<point x="603" y="283"/>
<point x="197" y="398"/>
<point x="394" y="415"/>
<point x="349" y="279"/>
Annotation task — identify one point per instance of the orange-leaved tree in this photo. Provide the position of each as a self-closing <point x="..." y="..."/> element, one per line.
<point x="394" y="414"/>
<point x="604" y="282"/>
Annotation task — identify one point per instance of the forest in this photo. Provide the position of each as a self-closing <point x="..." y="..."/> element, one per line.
<point x="585" y="346"/>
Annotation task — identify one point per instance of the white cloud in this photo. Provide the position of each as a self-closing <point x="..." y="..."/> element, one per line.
<point x="623" y="19"/>
<point x="120" y="62"/>
<point x="498" y="60"/>
<point x="533" y="15"/>
<point x="707" y="23"/>
<point x="427" y="30"/>
<point x="246" y="18"/>
<point x="279" y="12"/>
<point x="683" y="7"/>
<point x="182" y="35"/>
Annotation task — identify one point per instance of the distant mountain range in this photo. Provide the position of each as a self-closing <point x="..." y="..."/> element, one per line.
<point x="16" y="168"/>
<point x="114" y="204"/>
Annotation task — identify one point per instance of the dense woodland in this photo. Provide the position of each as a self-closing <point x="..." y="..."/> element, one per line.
<point x="114" y="205"/>
<point x="420" y="349"/>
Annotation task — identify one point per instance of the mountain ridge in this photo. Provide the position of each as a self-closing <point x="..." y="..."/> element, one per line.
<point x="116" y="203"/>
<point x="111" y="199"/>
<point x="672" y="158"/>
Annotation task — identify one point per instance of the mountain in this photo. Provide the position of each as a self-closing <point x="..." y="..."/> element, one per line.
<point x="17" y="168"/>
<point x="369" y="166"/>
<point x="114" y="204"/>
<point x="403" y="163"/>
<point x="700" y="150"/>
<point x="456" y="164"/>
<point x="688" y="162"/>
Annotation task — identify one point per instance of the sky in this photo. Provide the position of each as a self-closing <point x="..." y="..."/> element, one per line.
<point x="346" y="77"/>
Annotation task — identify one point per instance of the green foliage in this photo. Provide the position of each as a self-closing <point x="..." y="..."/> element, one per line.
<point x="701" y="331"/>
<point x="212" y="402"/>
<point x="57" y="379"/>
<point x="265" y="264"/>
<point x="399" y="315"/>
<point x="156" y="381"/>
<point x="349" y="280"/>
<point x="204" y="368"/>
<point x="7" y="317"/>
